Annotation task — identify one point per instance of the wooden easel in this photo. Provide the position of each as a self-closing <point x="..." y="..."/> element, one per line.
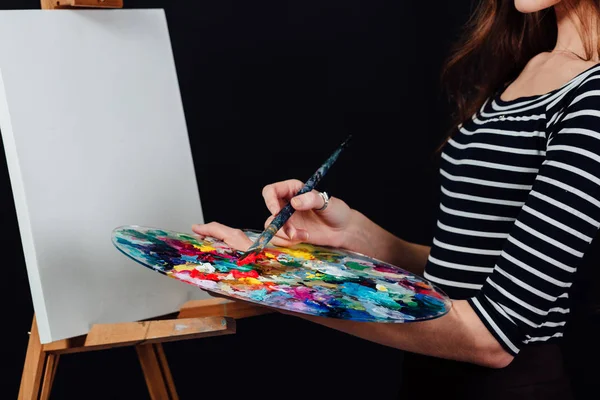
<point x="195" y="319"/>
<point x="55" y="4"/>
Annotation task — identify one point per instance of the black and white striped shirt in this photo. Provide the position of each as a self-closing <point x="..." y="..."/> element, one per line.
<point x="520" y="205"/>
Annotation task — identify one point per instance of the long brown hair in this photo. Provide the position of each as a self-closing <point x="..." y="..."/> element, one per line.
<point x="496" y="44"/>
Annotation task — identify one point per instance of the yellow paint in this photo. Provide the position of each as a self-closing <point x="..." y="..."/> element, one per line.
<point x="381" y="288"/>
<point x="204" y="248"/>
<point x="270" y="255"/>
<point x="321" y="283"/>
<point x="185" y="267"/>
<point x="250" y="281"/>
<point x="298" y="253"/>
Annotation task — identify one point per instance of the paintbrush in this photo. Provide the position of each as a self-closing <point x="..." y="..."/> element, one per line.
<point x="287" y="211"/>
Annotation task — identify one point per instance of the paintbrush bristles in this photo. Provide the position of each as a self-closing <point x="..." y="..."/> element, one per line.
<point x="264" y="239"/>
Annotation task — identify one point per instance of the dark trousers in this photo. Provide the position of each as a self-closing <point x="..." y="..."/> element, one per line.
<point x="537" y="373"/>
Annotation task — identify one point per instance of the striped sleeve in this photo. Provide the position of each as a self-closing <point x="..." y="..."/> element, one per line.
<point x="524" y="299"/>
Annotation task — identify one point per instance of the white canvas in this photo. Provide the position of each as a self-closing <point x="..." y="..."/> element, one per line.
<point x="95" y="137"/>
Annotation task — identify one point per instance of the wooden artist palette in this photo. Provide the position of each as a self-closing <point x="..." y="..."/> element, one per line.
<point x="305" y="279"/>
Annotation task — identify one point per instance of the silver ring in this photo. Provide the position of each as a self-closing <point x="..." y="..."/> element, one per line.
<point x="325" y="198"/>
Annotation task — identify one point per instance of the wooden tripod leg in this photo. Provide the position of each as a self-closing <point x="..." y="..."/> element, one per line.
<point x="39" y="368"/>
<point x="164" y="367"/>
<point x="49" y="373"/>
<point x="156" y="372"/>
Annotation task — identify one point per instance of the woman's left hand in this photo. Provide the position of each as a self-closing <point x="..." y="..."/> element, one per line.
<point x="235" y="238"/>
<point x="238" y="240"/>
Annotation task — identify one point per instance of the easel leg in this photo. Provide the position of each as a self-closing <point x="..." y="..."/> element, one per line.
<point x="39" y="369"/>
<point x="156" y="372"/>
<point x="213" y="318"/>
<point x="164" y="366"/>
<point x="49" y="373"/>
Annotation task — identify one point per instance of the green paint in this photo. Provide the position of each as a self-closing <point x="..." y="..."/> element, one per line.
<point x="356" y="266"/>
<point x="290" y="263"/>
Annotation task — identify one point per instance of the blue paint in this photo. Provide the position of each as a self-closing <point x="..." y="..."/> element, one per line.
<point x="376" y="296"/>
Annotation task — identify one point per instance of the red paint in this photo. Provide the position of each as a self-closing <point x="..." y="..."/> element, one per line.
<point x="382" y="268"/>
<point x="250" y="258"/>
<point x="184" y="248"/>
<point x="206" y="257"/>
<point x="240" y="274"/>
<point x="201" y="275"/>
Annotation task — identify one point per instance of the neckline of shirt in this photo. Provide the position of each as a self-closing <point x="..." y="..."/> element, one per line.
<point x="532" y="98"/>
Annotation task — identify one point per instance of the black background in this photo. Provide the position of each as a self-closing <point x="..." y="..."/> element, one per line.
<point x="257" y="77"/>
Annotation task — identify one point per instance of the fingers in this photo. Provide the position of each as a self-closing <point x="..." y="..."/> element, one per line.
<point x="289" y="231"/>
<point x="281" y="242"/>
<point x="294" y="235"/>
<point x="286" y="231"/>
<point x="235" y="238"/>
<point x="284" y="242"/>
<point x="308" y="201"/>
<point x="288" y="235"/>
<point x="276" y="194"/>
<point x="213" y="229"/>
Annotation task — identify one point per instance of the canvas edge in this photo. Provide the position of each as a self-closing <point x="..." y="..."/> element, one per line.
<point x="22" y="211"/>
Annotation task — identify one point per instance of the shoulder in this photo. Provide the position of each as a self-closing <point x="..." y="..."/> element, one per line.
<point x="589" y="79"/>
<point x="585" y="93"/>
<point x="582" y="92"/>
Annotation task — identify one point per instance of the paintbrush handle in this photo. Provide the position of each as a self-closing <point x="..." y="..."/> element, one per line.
<point x="287" y="211"/>
<point x="279" y="220"/>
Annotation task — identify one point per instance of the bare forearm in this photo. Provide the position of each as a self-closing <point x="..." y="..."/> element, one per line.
<point x="458" y="335"/>
<point x="368" y="238"/>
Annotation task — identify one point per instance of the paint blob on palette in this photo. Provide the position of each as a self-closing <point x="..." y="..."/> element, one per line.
<point x="304" y="278"/>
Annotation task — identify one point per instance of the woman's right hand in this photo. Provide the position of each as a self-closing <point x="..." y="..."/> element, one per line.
<point x="308" y="224"/>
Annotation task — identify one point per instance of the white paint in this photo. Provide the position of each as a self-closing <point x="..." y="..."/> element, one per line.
<point x="95" y="138"/>
<point x="206" y="268"/>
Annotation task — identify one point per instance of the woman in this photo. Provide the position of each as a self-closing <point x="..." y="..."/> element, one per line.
<point x="520" y="205"/>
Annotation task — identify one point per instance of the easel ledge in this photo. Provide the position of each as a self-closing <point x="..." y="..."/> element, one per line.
<point x="196" y="319"/>
<point x="61" y="4"/>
